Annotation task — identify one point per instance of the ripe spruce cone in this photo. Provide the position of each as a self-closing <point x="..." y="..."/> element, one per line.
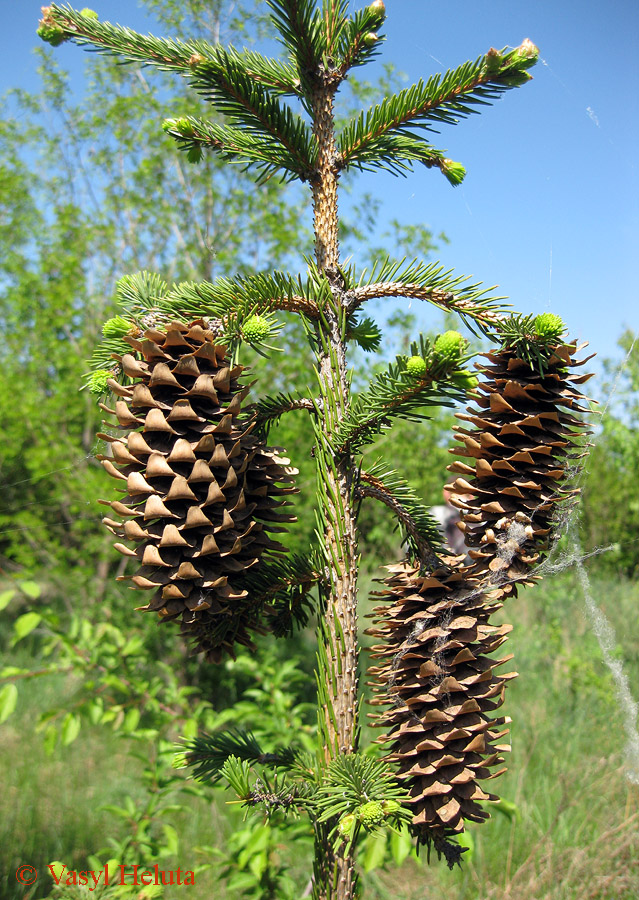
<point x="437" y="680"/>
<point x="520" y="451"/>
<point x="440" y="688"/>
<point x="198" y="488"/>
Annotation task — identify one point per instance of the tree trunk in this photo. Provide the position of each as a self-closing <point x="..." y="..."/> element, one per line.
<point x="338" y="651"/>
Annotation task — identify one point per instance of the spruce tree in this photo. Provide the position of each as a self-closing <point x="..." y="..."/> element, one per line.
<point x="202" y="491"/>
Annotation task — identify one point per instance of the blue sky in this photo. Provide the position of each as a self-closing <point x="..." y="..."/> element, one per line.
<point x="549" y="209"/>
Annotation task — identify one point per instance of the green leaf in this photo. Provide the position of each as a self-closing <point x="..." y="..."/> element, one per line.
<point x="171" y="840"/>
<point x="24" y="625"/>
<point x="374" y="851"/>
<point x="12" y="671"/>
<point x="466" y="839"/>
<point x="401" y="845"/>
<point x="30" y="588"/>
<point x="6" y="597"/>
<point x="133" y="645"/>
<point x="189" y="729"/>
<point x="70" y="728"/>
<point x="8" y="700"/>
<point x="507" y="808"/>
<point x="119" y="811"/>
<point x="50" y="739"/>
<point x="131" y="720"/>
<point x="96" y="709"/>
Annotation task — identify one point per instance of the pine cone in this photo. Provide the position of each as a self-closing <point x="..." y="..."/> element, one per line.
<point x="437" y="677"/>
<point x="201" y="493"/>
<point x="440" y="687"/>
<point x="522" y="451"/>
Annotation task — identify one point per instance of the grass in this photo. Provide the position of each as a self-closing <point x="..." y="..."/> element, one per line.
<point x="49" y="806"/>
<point x="571" y="829"/>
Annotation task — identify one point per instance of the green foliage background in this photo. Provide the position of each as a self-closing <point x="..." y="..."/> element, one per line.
<point x="94" y="696"/>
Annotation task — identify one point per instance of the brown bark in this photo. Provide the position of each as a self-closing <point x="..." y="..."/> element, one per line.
<point x="335" y="873"/>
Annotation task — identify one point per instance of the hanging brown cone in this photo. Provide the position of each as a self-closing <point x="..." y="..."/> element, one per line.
<point x="201" y="494"/>
<point x="440" y="689"/>
<point x="521" y="452"/>
<point x="437" y="680"/>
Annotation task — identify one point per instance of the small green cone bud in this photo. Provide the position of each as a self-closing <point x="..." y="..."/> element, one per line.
<point x="391" y="807"/>
<point x="379" y="9"/>
<point x="493" y="60"/>
<point x="416" y="366"/>
<point x="465" y="379"/>
<point x="88" y="13"/>
<point x="448" y="347"/>
<point x="548" y="326"/>
<point x="255" y="329"/>
<point x="370" y="39"/>
<point x="97" y="382"/>
<point x="194" y="155"/>
<point x="51" y="35"/>
<point x="371" y="814"/>
<point x="453" y="171"/>
<point x="347" y="824"/>
<point x="116" y="327"/>
<point x="183" y="126"/>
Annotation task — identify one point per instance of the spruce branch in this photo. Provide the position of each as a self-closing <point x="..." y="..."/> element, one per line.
<point x="269" y="410"/>
<point x="282" y="795"/>
<point x="240" y="297"/>
<point x="396" y="153"/>
<point x="208" y="753"/>
<point x="227" y="305"/>
<point x="140" y="292"/>
<point x="281" y="589"/>
<point x="226" y="78"/>
<point x="420" y="529"/>
<point x="356" y="41"/>
<point x="357" y="791"/>
<point x="365" y="332"/>
<point x="273" y="796"/>
<point x="225" y="83"/>
<point x="168" y="55"/>
<point x="302" y="33"/>
<point x="397" y="393"/>
<point x="334" y="15"/>
<point x="236" y="145"/>
<point x="165" y="54"/>
<point x="533" y="338"/>
<point x="429" y="282"/>
<point x="280" y="77"/>
<point x="443" y="99"/>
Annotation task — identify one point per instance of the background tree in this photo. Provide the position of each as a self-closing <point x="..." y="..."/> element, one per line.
<point x="611" y="505"/>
